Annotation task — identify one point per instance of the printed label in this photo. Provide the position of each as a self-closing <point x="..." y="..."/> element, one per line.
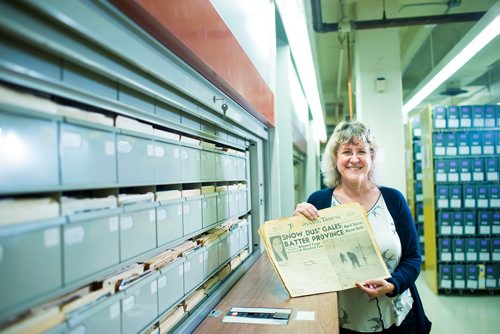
<point x="126" y="222"/>
<point x="51" y="237"/>
<point x="161" y="214"/>
<point x="162" y="282"/>
<point x="74" y="235"/>
<point x="113" y="224"/>
<point x="71" y="140"/>
<point x="150" y="150"/>
<point x="109" y="147"/>
<point x="159" y="151"/>
<point x="128" y="303"/>
<point x="153" y="287"/>
<point x="124" y="146"/>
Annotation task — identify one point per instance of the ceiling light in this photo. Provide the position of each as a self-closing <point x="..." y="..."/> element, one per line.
<point x="491" y="23"/>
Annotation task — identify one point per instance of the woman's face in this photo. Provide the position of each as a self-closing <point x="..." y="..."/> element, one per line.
<point x="354" y="161"/>
<point x="277" y="246"/>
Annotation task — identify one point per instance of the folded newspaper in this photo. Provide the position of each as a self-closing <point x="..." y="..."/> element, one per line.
<point x="327" y="254"/>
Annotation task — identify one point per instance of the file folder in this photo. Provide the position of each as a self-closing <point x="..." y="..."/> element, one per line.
<point x="478" y="116"/>
<point x="445" y="249"/>
<point x="469" y="222"/>
<point x="465" y="170"/>
<point x="459" y="276"/>
<point x="439" y="117"/>
<point x="472" y="276"/>
<point x="463" y="143"/>
<point x="453" y="116"/>
<point x="465" y="116"/>
<point x="458" y="249"/>
<point x="471" y="249"/>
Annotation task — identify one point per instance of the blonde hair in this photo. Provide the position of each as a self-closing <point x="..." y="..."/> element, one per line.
<point x="345" y="133"/>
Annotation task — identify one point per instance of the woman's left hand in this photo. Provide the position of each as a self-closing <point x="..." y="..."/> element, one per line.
<point x="376" y="287"/>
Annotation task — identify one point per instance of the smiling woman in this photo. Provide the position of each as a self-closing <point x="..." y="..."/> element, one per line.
<point x="348" y="169"/>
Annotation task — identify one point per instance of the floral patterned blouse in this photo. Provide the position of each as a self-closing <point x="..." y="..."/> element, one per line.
<point x="357" y="311"/>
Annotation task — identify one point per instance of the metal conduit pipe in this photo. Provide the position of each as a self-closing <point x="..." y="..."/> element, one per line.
<point x="322" y="27"/>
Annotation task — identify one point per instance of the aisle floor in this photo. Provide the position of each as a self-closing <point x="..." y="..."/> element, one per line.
<point x="467" y="314"/>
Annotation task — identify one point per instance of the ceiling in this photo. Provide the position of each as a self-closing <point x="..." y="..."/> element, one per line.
<point x="421" y="48"/>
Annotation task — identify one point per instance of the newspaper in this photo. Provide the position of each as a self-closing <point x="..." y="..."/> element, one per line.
<point x="327" y="254"/>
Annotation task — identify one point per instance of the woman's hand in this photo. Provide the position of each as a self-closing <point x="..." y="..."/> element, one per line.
<point x="376" y="287"/>
<point x="307" y="210"/>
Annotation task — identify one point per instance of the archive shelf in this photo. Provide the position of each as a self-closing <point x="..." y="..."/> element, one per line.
<point x="461" y="206"/>
<point x="111" y="163"/>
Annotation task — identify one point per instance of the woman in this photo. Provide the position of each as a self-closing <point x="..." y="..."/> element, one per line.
<point x="377" y="305"/>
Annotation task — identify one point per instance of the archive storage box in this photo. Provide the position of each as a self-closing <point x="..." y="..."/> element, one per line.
<point x="472" y="278"/>
<point x="90" y="243"/>
<point x="211" y="258"/>
<point x="222" y="206"/>
<point x="137" y="230"/>
<point x="224" y="248"/>
<point x="193" y="270"/>
<point x="169" y="221"/>
<point x="209" y="210"/>
<point x="170" y="285"/>
<point x="243" y="201"/>
<point x="103" y="317"/>
<point x="459" y="276"/>
<point x="136" y="160"/>
<point x="140" y="304"/>
<point x="167" y="167"/>
<point x="36" y="247"/>
<point x="208" y="169"/>
<point x="192" y="215"/>
<point x="29" y="154"/>
<point x="190" y="164"/>
<point x="87" y="156"/>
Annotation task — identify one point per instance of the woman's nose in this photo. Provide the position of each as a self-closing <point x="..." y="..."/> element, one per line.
<point x="354" y="157"/>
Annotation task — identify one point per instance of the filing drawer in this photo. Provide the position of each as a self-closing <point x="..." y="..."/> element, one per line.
<point x="243" y="201"/>
<point x="170" y="285"/>
<point x="140" y="304"/>
<point x="233" y="203"/>
<point x="223" y="165"/>
<point x="208" y="170"/>
<point x="87" y="156"/>
<point x="192" y="216"/>
<point x="211" y="258"/>
<point x="167" y="162"/>
<point x="242" y="169"/>
<point x="190" y="164"/>
<point x="38" y="252"/>
<point x="137" y="231"/>
<point x="243" y="235"/>
<point x="103" y="317"/>
<point x="169" y="221"/>
<point x="234" y="242"/>
<point x="222" y="206"/>
<point x="209" y="210"/>
<point x="91" y="244"/>
<point x="135" y="160"/>
<point x="224" y="249"/>
<point x="193" y="270"/>
<point x="28" y="150"/>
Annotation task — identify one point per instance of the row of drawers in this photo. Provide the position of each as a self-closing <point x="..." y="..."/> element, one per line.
<point x="468" y="222"/>
<point x="468" y="196"/>
<point x="40" y="154"/>
<point x="474" y="276"/>
<point x="470" y="249"/>
<point x="68" y="253"/>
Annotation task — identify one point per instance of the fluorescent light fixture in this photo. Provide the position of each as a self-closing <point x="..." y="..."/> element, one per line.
<point x="293" y="16"/>
<point x="486" y="35"/>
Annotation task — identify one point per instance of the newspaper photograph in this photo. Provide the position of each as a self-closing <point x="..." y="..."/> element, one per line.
<point x="327" y="254"/>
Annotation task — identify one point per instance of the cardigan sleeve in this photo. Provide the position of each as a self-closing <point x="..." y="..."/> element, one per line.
<point x="408" y="268"/>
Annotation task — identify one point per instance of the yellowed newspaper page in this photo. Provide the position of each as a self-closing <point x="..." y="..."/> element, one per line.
<point x="327" y="254"/>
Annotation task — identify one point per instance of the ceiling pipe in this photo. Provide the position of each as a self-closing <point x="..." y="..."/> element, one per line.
<point x="322" y="27"/>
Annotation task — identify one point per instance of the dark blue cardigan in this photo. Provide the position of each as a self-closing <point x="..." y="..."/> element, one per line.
<point x="407" y="271"/>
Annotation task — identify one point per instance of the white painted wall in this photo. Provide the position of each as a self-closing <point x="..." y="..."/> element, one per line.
<point x="377" y="54"/>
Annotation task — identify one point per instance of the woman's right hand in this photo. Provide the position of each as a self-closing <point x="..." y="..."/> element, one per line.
<point x="307" y="210"/>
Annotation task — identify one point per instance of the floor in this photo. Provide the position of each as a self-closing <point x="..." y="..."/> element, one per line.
<point x="467" y="314"/>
